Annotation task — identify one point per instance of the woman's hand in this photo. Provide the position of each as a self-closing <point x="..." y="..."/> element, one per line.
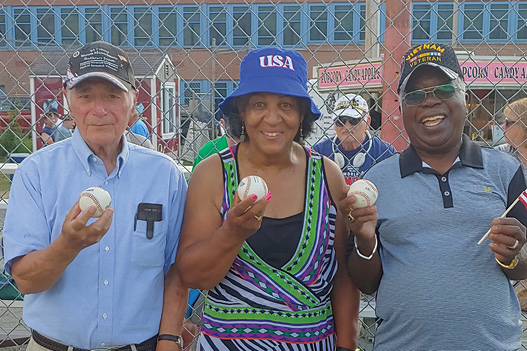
<point x="245" y="217"/>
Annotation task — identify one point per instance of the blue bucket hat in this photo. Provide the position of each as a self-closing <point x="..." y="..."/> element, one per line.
<point x="272" y="70"/>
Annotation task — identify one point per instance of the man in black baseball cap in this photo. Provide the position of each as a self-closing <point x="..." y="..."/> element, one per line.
<point x="103" y="60"/>
<point x="436" y="200"/>
<point x="441" y="56"/>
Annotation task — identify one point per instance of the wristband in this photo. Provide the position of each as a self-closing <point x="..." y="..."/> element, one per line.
<point x="175" y="338"/>
<point x="361" y="255"/>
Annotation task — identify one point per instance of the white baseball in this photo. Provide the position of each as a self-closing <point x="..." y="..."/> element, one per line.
<point x="95" y="196"/>
<point x="365" y="192"/>
<point x="252" y="185"/>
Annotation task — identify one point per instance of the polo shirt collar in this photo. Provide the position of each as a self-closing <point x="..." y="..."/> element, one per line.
<point x="84" y="153"/>
<point x="469" y="155"/>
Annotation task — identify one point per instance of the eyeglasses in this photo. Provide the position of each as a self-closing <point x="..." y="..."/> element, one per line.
<point x="509" y="123"/>
<point x="341" y="121"/>
<point x="441" y="92"/>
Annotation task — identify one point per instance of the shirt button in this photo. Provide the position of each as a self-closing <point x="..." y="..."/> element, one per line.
<point x="107" y="248"/>
<point x="106" y="182"/>
<point x="447" y="193"/>
<point x="106" y="282"/>
<point x="103" y="344"/>
<point x="94" y="159"/>
<point x="443" y="179"/>
<point x="104" y="315"/>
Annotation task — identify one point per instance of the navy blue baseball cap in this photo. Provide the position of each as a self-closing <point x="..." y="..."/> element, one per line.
<point x="441" y="56"/>
<point x="101" y="60"/>
<point x="272" y="70"/>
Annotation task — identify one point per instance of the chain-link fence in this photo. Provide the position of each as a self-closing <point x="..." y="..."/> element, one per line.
<point x="186" y="56"/>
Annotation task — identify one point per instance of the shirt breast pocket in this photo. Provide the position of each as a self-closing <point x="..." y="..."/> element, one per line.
<point x="149" y="253"/>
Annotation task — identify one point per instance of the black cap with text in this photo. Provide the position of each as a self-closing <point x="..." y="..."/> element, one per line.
<point x="438" y="55"/>
<point x="100" y="59"/>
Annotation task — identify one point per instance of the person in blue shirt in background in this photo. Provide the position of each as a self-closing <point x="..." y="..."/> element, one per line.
<point x="49" y="131"/>
<point x="98" y="283"/>
<point x="65" y="129"/>
<point x="353" y="148"/>
<point x="137" y="126"/>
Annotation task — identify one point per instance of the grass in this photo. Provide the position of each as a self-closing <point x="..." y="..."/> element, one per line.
<point x="5" y="185"/>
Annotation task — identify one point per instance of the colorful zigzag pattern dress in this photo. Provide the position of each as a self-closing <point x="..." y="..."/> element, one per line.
<point x="261" y="307"/>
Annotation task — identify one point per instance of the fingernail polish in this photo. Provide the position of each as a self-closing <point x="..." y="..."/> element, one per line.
<point x="268" y="196"/>
<point x="254" y="196"/>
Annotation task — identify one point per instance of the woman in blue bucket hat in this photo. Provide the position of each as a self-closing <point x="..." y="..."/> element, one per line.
<point x="274" y="266"/>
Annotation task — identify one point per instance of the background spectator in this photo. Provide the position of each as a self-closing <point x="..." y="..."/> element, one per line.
<point x="515" y="128"/>
<point x="137" y="126"/>
<point x="49" y="131"/>
<point x="65" y="129"/>
<point x="353" y="148"/>
<point x="218" y="144"/>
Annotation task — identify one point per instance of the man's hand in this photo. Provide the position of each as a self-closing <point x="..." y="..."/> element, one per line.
<point x="39" y="270"/>
<point x="360" y="221"/>
<point x="508" y="237"/>
<point x="77" y="234"/>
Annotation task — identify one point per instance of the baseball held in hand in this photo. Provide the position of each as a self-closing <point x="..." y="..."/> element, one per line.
<point x="95" y="196"/>
<point x="365" y="192"/>
<point x="252" y="185"/>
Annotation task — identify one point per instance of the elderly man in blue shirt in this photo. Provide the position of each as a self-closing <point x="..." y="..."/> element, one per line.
<point x="97" y="283"/>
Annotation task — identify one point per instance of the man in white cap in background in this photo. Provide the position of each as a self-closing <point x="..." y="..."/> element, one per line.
<point x="353" y="148"/>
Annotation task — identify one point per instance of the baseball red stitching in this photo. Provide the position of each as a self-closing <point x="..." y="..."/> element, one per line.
<point x="94" y="199"/>
<point x="246" y="192"/>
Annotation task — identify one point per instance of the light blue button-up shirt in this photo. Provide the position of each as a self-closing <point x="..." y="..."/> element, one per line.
<point x="112" y="293"/>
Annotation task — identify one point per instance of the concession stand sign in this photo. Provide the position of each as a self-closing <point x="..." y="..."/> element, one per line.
<point x="489" y="73"/>
<point x="478" y="73"/>
<point x="351" y="76"/>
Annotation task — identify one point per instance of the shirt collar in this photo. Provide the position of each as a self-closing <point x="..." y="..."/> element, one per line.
<point x="469" y="155"/>
<point x="84" y="153"/>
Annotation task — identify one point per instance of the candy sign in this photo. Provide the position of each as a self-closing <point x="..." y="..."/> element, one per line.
<point x="353" y="75"/>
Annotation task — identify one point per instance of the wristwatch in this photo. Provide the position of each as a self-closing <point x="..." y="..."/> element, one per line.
<point x="512" y="265"/>
<point x="175" y="338"/>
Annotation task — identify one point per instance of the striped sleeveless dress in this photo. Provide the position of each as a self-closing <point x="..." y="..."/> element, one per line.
<point x="261" y="307"/>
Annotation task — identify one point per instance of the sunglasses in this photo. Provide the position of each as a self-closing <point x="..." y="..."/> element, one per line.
<point x="509" y="123"/>
<point x="341" y="121"/>
<point x="441" y="92"/>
